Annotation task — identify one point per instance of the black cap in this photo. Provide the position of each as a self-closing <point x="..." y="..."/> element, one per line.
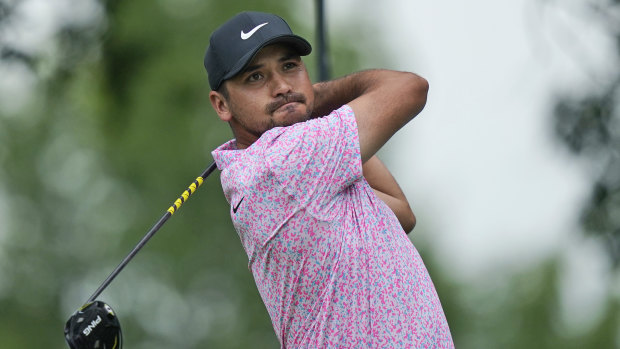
<point x="234" y="44"/>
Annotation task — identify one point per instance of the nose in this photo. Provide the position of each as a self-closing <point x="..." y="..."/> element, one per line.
<point x="280" y="85"/>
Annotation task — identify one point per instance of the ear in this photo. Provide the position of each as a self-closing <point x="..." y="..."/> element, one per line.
<point x="220" y="105"/>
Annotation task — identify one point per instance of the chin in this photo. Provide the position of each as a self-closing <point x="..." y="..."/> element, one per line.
<point x="292" y="118"/>
<point x="299" y="118"/>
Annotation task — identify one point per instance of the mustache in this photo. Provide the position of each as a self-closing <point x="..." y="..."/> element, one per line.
<point x="282" y="100"/>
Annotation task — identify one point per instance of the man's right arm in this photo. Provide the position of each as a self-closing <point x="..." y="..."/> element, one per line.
<point x="383" y="102"/>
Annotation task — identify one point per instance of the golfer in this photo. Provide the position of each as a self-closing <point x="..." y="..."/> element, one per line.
<point x="321" y="219"/>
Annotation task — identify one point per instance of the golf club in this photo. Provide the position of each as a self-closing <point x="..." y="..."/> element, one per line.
<point x="321" y="41"/>
<point x="95" y="325"/>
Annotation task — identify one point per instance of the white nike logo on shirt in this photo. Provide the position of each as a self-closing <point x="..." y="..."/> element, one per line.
<point x="245" y="36"/>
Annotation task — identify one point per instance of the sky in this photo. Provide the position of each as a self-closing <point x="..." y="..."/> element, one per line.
<point x="492" y="190"/>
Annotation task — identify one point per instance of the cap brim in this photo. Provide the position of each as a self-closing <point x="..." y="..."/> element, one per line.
<point x="300" y="45"/>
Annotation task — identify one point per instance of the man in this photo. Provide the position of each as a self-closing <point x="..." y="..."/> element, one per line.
<point x="324" y="234"/>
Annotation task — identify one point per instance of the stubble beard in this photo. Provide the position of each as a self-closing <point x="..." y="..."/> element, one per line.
<point x="270" y="109"/>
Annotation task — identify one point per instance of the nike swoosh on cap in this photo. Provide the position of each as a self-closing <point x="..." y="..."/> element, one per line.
<point x="245" y="36"/>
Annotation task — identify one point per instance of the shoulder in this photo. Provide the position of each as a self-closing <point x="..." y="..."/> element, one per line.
<point x="313" y="134"/>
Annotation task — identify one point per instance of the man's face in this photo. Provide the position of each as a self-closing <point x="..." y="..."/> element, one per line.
<point x="273" y="90"/>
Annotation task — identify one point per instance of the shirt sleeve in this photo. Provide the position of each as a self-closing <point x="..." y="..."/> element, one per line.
<point x="317" y="159"/>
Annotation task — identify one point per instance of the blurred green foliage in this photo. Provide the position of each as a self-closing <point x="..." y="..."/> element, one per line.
<point x="587" y="122"/>
<point x="118" y="127"/>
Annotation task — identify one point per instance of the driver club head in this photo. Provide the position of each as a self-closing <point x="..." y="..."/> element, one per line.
<point x="94" y="326"/>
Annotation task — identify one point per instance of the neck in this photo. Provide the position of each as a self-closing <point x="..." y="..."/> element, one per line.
<point x="242" y="138"/>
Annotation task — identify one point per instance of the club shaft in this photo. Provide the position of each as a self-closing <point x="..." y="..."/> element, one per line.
<point x="177" y="204"/>
<point x="322" y="49"/>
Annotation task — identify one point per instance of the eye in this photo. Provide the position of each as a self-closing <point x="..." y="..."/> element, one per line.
<point x="289" y="65"/>
<point x="254" y="77"/>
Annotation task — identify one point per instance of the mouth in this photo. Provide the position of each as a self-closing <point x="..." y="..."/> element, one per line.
<point x="286" y="102"/>
<point x="287" y="107"/>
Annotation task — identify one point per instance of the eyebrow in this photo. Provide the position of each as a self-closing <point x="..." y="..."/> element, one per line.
<point x="284" y="58"/>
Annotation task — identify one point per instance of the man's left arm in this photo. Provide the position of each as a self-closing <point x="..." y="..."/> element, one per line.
<point x="388" y="190"/>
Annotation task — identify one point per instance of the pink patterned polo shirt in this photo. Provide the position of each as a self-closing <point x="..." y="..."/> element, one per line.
<point x="330" y="259"/>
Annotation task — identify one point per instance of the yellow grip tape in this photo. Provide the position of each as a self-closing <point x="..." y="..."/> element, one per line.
<point x="192" y="188"/>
